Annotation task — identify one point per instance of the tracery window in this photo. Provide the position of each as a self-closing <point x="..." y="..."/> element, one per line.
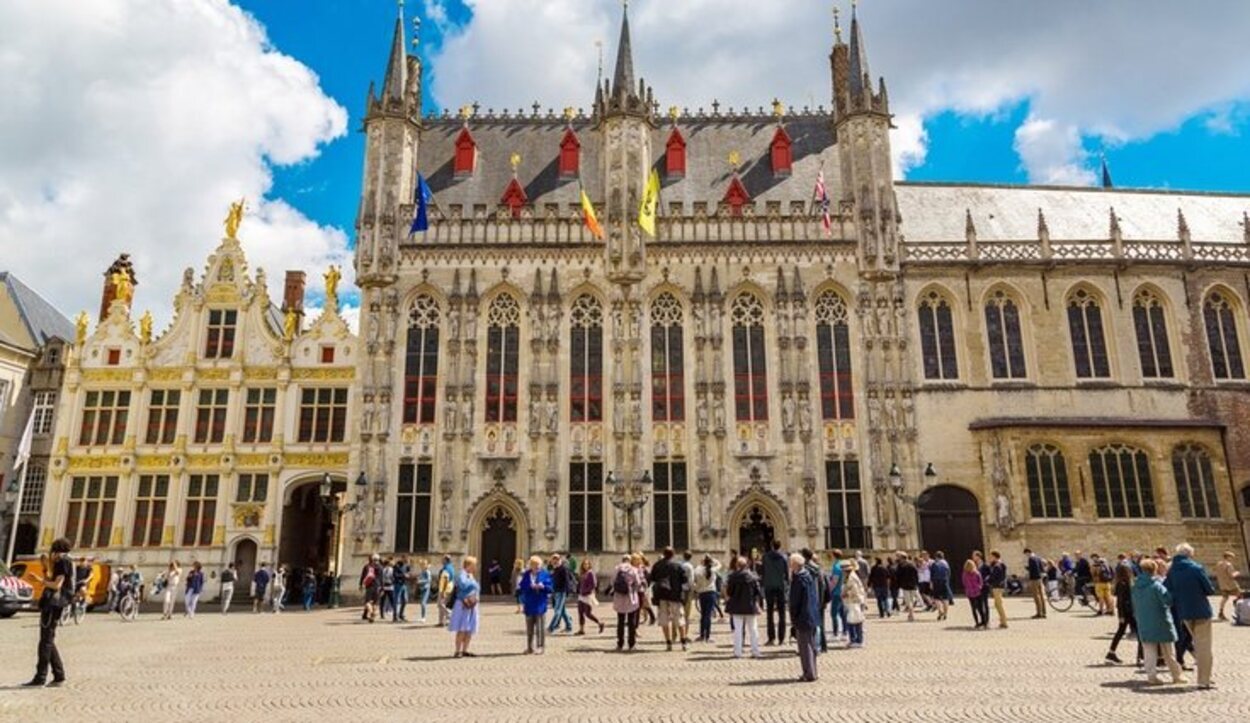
<point x="421" y="361"/>
<point x="937" y="337"/>
<point x="1046" y="473"/>
<point x="750" y="369"/>
<point x="846" y="505"/>
<point x="1122" y="484"/>
<point x="670" y="514"/>
<point x="413" y="507"/>
<point x="586" y="506"/>
<point x="586" y="360"/>
<point x="833" y="356"/>
<point x="1152" y="335"/>
<point x="503" y="339"/>
<point x="1089" y="342"/>
<point x="1195" y="482"/>
<point x="1002" y="326"/>
<point x="1222" y="339"/>
<point x="667" y="371"/>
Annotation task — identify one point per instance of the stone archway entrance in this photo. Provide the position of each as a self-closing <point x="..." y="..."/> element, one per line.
<point x="307" y="539"/>
<point x="950" y="521"/>
<point x="756" y="531"/>
<point x="498" y="543"/>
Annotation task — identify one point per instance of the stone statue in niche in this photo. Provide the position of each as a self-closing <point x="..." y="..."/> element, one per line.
<point x="374" y="329"/>
<point x="553" y="416"/>
<point x="444" y="511"/>
<point x="635" y="415"/>
<point x="705" y="506"/>
<point x="470" y="325"/>
<point x="453" y="322"/>
<point x="701" y="414"/>
<point x="618" y="416"/>
<point x="449" y="416"/>
<point x="719" y="410"/>
<point x="552" y="506"/>
<point x="700" y="321"/>
<point x="1006" y="521"/>
<point x="805" y="416"/>
<point x="366" y="418"/>
<point x="788" y="412"/>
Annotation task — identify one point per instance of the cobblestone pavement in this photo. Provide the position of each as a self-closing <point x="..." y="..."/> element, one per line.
<point x="299" y="666"/>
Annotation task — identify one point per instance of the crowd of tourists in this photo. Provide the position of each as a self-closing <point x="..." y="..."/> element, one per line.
<point x="1162" y="599"/>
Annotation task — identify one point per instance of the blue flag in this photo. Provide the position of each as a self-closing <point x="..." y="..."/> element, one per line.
<point x="421" y="221"/>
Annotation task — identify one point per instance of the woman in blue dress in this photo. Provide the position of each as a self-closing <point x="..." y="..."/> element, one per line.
<point x="464" y="614"/>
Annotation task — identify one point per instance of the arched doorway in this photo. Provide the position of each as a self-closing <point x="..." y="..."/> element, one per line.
<point x="307" y="539"/>
<point x="498" y="541"/>
<point x="950" y="521"/>
<point x="756" y="532"/>
<point x="244" y="559"/>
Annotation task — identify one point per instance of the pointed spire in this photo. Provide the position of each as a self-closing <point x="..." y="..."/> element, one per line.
<point x="970" y="228"/>
<point x="796" y="287"/>
<point x="1182" y="226"/>
<point x="1245" y="226"/>
<point x="697" y="296"/>
<point x="471" y="295"/>
<point x="782" y="294"/>
<point x="1115" y="225"/>
<point x="455" y="286"/>
<point x="1106" y="174"/>
<point x="537" y="296"/>
<point x="1043" y="230"/>
<point x="623" y="78"/>
<point x="859" y="56"/>
<point x="715" y="286"/>
<point x="397" y="65"/>
<point x="553" y="291"/>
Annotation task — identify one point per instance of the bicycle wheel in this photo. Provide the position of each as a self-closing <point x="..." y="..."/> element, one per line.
<point x="1060" y="602"/>
<point x="128" y="609"/>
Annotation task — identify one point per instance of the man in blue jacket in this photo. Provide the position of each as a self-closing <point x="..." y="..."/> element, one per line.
<point x="805" y="614"/>
<point x="1190" y="587"/>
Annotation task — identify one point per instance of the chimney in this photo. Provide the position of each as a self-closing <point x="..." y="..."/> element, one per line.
<point x="122" y="264"/>
<point x="293" y="293"/>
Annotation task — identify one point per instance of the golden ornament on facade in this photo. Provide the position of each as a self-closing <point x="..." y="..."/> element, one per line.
<point x="233" y="218"/>
<point x="165" y="375"/>
<point x="325" y="375"/>
<point x="290" y="325"/>
<point x="145" y="327"/>
<point x="106" y="376"/>
<point x="80" y="327"/>
<point x="260" y="373"/>
<point x="329" y="459"/>
<point x="85" y="464"/>
<point x="332" y="276"/>
<point x="248" y="515"/>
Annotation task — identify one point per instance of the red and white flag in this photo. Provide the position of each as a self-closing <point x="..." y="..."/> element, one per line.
<point x="821" y="196"/>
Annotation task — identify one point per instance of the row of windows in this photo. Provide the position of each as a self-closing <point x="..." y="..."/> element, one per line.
<point x="586" y="351"/>
<point x="322" y="416"/>
<point x="1087" y="334"/>
<point x="93" y="501"/>
<point x="1122" y="482"/>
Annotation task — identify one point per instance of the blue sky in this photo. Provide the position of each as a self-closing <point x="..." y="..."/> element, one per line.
<point x="130" y="125"/>
<point x="345" y="42"/>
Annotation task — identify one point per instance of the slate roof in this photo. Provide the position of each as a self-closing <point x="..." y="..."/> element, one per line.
<point x="41" y="319"/>
<point x="709" y="141"/>
<point x="936" y="212"/>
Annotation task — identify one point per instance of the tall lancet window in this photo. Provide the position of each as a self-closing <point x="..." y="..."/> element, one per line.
<point x="1002" y="326"/>
<point x="750" y="369"/>
<point x="586" y="360"/>
<point x="667" y="377"/>
<point x="937" y="337"/>
<point x="1152" y="335"/>
<point x="1222" y="339"/>
<point x="503" y="341"/>
<point x="833" y="351"/>
<point x="1089" y="341"/>
<point x="421" y="361"/>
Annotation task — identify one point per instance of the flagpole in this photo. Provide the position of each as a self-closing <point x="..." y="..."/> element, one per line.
<point x="17" y="513"/>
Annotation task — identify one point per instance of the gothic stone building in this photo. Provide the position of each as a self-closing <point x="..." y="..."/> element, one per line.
<point x="947" y="366"/>
<point x="208" y="441"/>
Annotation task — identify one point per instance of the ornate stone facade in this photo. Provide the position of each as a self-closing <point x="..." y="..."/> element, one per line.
<point x="207" y="441"/>
<point x="831" y="375"/>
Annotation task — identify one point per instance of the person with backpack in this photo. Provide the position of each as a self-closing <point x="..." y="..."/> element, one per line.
<point x="1104" y="575"/>
<point x="879" y="583"/>
<point x="1036" y="568"/>
<point x="743" y="601"/>
<point x="854" y="600"/>
<point x="776" y="578"/>
<point x="57" y="572"/>
<point x="806" y="613"/>
<point x="195" y="586"/>
<point x="371" y="586"/>
<point x="704" y="585"/>
<point x="627" y="582"/>
<point x="908" y="578"/>
<point x="228" y="577"/>
<point x="997" y="582"/>
<point x="669" y="579"/>
<point x="386" y="598"/>
<point x="561" y="584"/>
<point x="260" y="585"/>
<point x="535" y="587"/>
<point x="446" y="578"/>
<point x="940" y="575"/>
<point x="811" y="563"/>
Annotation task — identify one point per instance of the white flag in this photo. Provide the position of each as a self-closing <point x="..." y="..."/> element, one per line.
<point x="23" y="447"/>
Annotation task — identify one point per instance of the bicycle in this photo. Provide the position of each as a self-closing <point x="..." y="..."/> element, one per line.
<point x="75" y="611"/>
<point x="128" y="605"/>
<point x="1064" y="594"/>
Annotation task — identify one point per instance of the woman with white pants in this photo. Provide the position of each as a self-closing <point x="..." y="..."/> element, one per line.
<point x="170" y="579"/>
<point x="279" y="587"/>
<point x="228" y="578"/>
<point x="743" y="601"/>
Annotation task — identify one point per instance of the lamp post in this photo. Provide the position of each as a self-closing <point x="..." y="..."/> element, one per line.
<point x="629" y="495"/>
<point x="335" y="504"/>
<point x="897" y="485"/>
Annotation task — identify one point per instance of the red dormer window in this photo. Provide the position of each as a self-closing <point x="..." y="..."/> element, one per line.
<point x="466" y="153"/>
<point x="570" y="154"/>
<point x="514" y="198"/>
<point x="675" y="156"/>
<point x="736" y="197"/>
<point x="783" y="157"/>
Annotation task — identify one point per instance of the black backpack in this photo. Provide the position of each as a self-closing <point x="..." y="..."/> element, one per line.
<point x="620" y="583"/>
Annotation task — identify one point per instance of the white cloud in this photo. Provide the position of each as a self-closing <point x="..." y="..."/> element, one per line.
<point x="1051" y="153"/>
<point x="1120" y="69"/>
<point x="129" y="126"/>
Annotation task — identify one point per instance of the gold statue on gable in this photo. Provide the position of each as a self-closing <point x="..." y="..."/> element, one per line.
<point x="80" y="327"/>
<point x="145" y="327"/>
<point x="290" y="325"/>
<point x="123" y="290"/>
<point x="332" y="277"/>
<point x="233" y="219"/>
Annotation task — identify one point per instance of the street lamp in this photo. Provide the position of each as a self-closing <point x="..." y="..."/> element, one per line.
<point x="337" y="506"/>
<point x="629" y="495"/>
<point x="896" y="478"/>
